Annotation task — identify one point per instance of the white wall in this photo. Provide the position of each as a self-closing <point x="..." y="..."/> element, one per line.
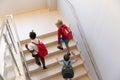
<point x="36" y="20"/>
<point x="17" y="6"/>
<point x="11" y="6"/>
<point x="100" y="22"/>
<point x="67" y="13"/>
<point x="52" y="4"/>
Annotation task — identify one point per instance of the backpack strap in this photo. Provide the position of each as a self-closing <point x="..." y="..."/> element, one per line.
<point x="67" y="64"/>
<point x="36" y="43"/>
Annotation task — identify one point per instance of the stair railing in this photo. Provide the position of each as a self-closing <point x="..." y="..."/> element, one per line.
<point x="27" y="74"/>
<point x="84" y="40"/>
<point x="15" y="41"/>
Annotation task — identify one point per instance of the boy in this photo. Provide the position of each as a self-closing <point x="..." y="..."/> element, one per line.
<point x="67" y="75"/>
<point x="64" y="35"/>
<point x="33" y="48"/>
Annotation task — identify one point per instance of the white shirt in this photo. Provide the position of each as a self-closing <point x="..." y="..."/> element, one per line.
<point x="32" y="46"/>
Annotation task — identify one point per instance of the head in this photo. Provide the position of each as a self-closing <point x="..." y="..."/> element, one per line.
<point x="59" y="23"/>
<point x="66" y="57"/>
<point x="32" y="35"/>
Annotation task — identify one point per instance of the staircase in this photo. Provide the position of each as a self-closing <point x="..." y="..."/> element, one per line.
<point x="53" y="68"/>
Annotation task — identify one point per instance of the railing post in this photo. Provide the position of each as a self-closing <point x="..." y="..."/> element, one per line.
<point x="12" y="54"/>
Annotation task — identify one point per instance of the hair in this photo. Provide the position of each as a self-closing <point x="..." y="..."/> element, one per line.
<point x="66" y="57"/>
<point x="59" y="22"/>
<point x="32" y="35"/>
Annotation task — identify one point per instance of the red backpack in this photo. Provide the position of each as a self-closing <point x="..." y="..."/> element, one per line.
<point x="67" y="32"/>
<point x="42" y="51"/>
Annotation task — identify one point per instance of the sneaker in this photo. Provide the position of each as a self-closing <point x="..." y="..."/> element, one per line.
<point x="44" y="67"/>
<point x="59" y="47"/>
<point x="39" y="64"/>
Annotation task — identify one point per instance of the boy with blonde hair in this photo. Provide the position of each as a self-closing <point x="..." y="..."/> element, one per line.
<point x="64" y="35"/>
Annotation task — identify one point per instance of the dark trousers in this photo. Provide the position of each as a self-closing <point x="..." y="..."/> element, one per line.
<point x="38" y="58"/>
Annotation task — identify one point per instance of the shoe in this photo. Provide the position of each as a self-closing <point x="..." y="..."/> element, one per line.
<point x="59" y="47"/>
<point x="39" y="64"/>
<point x="44" y="67"/>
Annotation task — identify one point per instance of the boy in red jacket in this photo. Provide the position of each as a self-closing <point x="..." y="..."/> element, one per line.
<point x="64" y="35"/>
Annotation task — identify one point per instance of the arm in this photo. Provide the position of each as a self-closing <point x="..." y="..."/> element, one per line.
<point x="58" y="36"/>
<point x="58" y="60"/>
<point x="26" y="45"/>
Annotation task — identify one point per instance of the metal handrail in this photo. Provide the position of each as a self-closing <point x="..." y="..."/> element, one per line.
<point x="2" y="29"/>
<point x="20" y="49"/>
<point x="84" y="40"/>
<point x="12" y="54"/>
<point x="6" y="23"/>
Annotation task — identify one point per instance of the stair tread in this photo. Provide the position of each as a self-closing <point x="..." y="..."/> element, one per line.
<point x="78" y="73"/>
<point x="50" y="60"/>
<point x="52" y="70"/>
<point x="45" y="40"/>
<point x="50" y="49"/>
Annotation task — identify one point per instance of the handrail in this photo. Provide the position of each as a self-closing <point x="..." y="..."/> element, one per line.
<point x="84" y="40"/>
<point x="6" y="25"/>
<point x="12" y="54"/>
<point x="2" y="29"/>
<point x="20" y="49"/>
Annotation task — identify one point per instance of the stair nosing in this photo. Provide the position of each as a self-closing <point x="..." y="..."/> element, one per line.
<point x="32" y="71"/>
<point x="60" y="72"/>
<point x="40" y="36"/>
<point x="50" y="54"/>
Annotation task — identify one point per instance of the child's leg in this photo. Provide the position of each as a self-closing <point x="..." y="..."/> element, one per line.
<point x="68" y="49"/>
<point x="43" y="62"/>
<point x="67" y="45"/>
<point x="60" y="45"/>
<point x="37" y="60"/>
<point x="61" y="41"/>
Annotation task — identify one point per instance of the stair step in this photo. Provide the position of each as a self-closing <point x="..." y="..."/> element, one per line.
<point x="51" y="51"/>
<point x="45" y="37"/>
<point x="51" y="71"/>
<point x="50" y="61"/>
<point x="82" y="77"/>
<point x="79" y="73"/>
